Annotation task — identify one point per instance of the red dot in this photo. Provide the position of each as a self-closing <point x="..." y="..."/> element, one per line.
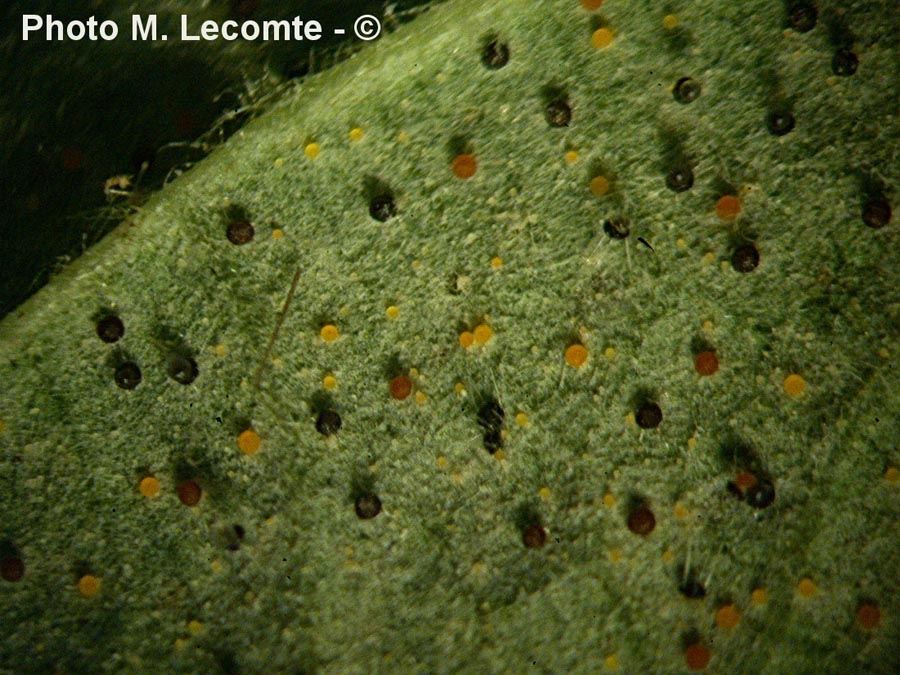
<point x="401" y="387"/>
<point x="12" y="568"/>
<point x="641" y="520"/>
<point x="697" y="657"/>
<point x="868" y="615"/>
<point x="464" y="166"/>
<point x="706" y="363"/>
<point x="189" y="493"/>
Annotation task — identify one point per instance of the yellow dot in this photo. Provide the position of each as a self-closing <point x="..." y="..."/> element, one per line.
<point x="180" y="643"/>
<point x="692" y="442"/>
<point x="602" y="38"/>
<point x="497" y="262"/>
<point x="466" y="339"/>
<point x="680" y="511"/>
<point x="459" y="388"/>
<point x="442" y="462"/>
<point x="482" y="334"/>
<point x="599" y="185"/>
<point x="629" y="419"/>
<point x="392" y="312"/>
<point x="668" y="556"/>
<point x="249" y="441"/>
<point x="610" y="353"/>
<point x="421" y="397"/>
<point x="216" y="566"/>
<point x="195" y="627"/>
<point x="221" y="350"/>
<point x="611" y="662"/>
<point x="727" y="617"/>
<point x="609" y="500"/>
<point x="499" y="456"/>
<point x="571" y="157"/>
<point x="277" y="233"/>
<point x="330" y="333"/>
<point x="681" y="243"/>
<point x="576" y="355"/>
<point x="149" y="486"/>
<point x="278" y="163"/>
<point x="522" y="419"/>
<point x="709" y="258"/>
<point x="884" y="353"/>
<point x="329" y="382"/>
<point x="89" y="585"/>
<point x="670" y="21"/>
<point x="806" y="587"/>
<point x="759" y="596"/>
<point x="892" y="475"/>
<point x="615" y="555"/>
<point x="312" y="150"/>
<point x="794" y="385"/>
<point x="707" y="325"/>
<point x="356" y="134"/>
<point x="544" y="493"/>
<point x="403" y="137"/>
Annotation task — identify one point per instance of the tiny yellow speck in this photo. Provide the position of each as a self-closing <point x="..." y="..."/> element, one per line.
<point x="610" y="352"/>
<point x="413" y="372"/>
<point x="571" y="157"/>
<point x="599" y="185"/>
<point x="668" y="556"/>
<point x="892" y="475"/>
<point x="499" y="456"/>
<point x="692" y="442"/>
<point x="611" y="662"/>
<point x="442" y="462"/>
<point x="707" y="325"/>
<point x="421" y="397"/>
<point x="221" y="350"/>
<point x="277" y="362"/>
<point x="709" y="258"/>
<point x="403" y="137"/>
<point x="329" y="333"/>
<point x="522" y="419"/>
<point x="88" y="585"/>
<point x="180" y="643"/>
<point x="312" y="150"/>
<point x="356" y="134"/>
<point x="544" y="493"/>
<point x="884" y="353"/>
<point x="806" y="587"/>
<point x="680" y="511"/>
<point x="497" y="262"/>
<point x="609" y="500"/>
<point x="279" y="163"/>
<point x="681" y="243"/>
<point x="329" y="382"/>
<point x="794" y="385"/>
<point x="482" y="334"/>
<point x="459" y="388"/>
<point x="759" y="596"/>
<point x="601" y="38"/>
<point x="629" y="419"/>
<point x="392" y="312"/>
<point x="415" y="264"/>
<point x="457" y="478"/>
<point x="216" y="566"/>
<point x="195" y="627"/>
<point x="615" y="555"/>
<point x="670" y="21"/>
<point x="479" y="568"/>
<point x="277" y="233"/>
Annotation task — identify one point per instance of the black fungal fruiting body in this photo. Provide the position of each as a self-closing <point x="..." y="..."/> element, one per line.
<point x="687" y="89"/>
<point x="616" y="228"/>
<point x="558" y="113"/>
<point x="802" y="16"/>
<point x="240" y="232"/>
<point x="876" y="212"/>
<point x="691" y="588"/>
<point x="382" y="207"/>
<point x="328" y="422"/>
<point x="128" y="375"/>
<point x="745" y="258"/>
<point x="367" y="506"/>
<point x="680" y="178"/>
<point x="495" y="54"/>
<point x="649" y="416"/>
<point x="844" y="63"/>
<point x="490" y="419"/>
<point x="183" y="369"/>
<point x="110" y="329"/>
<point x="780" y="122"/>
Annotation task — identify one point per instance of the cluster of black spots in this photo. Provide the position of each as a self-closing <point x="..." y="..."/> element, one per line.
<point x="844" y="63"/>
<point x="617" y="228"/>
<point x="761" y="494"/>
<point x="680" y="178"/>
<point x="490" y="419"/>
<point x="876" y="212"/>
<point x="495" y="54"/>
<point x="687" y="89"/>
<point x="802" y="16"/>
<point x="745" y="258"/>
<point x="534" y="536"/>
<point x="183" y="369"/>
<point x="128" y="375"/>
<point x="382" y="207"/>
<point x="240" y="232"/>
<point x="367" y="506"/>
<point x="649" y="415"/>
<point x="780" y="122"/>
<point x="558" y="113"/>
<point x="110" y="328"/>
<point x="328" y="422"/>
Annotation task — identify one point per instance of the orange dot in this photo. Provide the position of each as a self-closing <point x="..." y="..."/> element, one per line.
<point x="464" y="166"/>
<point x="466" y="339"/>
<point x="727" y="617"/>
<point x="330" y="333"/>
<point x="149" y="486"/>
<point x="89" y="585"/>
<point x="794" y="385"/>
<point x="576" y="355"/>
<point x="401" y="387"/>
<point x="482" y="334"/>
<point x="745" y="480"/>
<point x="249" y="441"/>
<point x="599" y="185"/>
<point x="601" y="38"/>
<point x="806" y="587"/>
<point x="868" y="615"/>
<point x="697" y="657"/>
<point x="706" y="363"/>
<point x="591" y="5"/>
<point x="728" y="207"/>
<point x="759" y="596"/>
